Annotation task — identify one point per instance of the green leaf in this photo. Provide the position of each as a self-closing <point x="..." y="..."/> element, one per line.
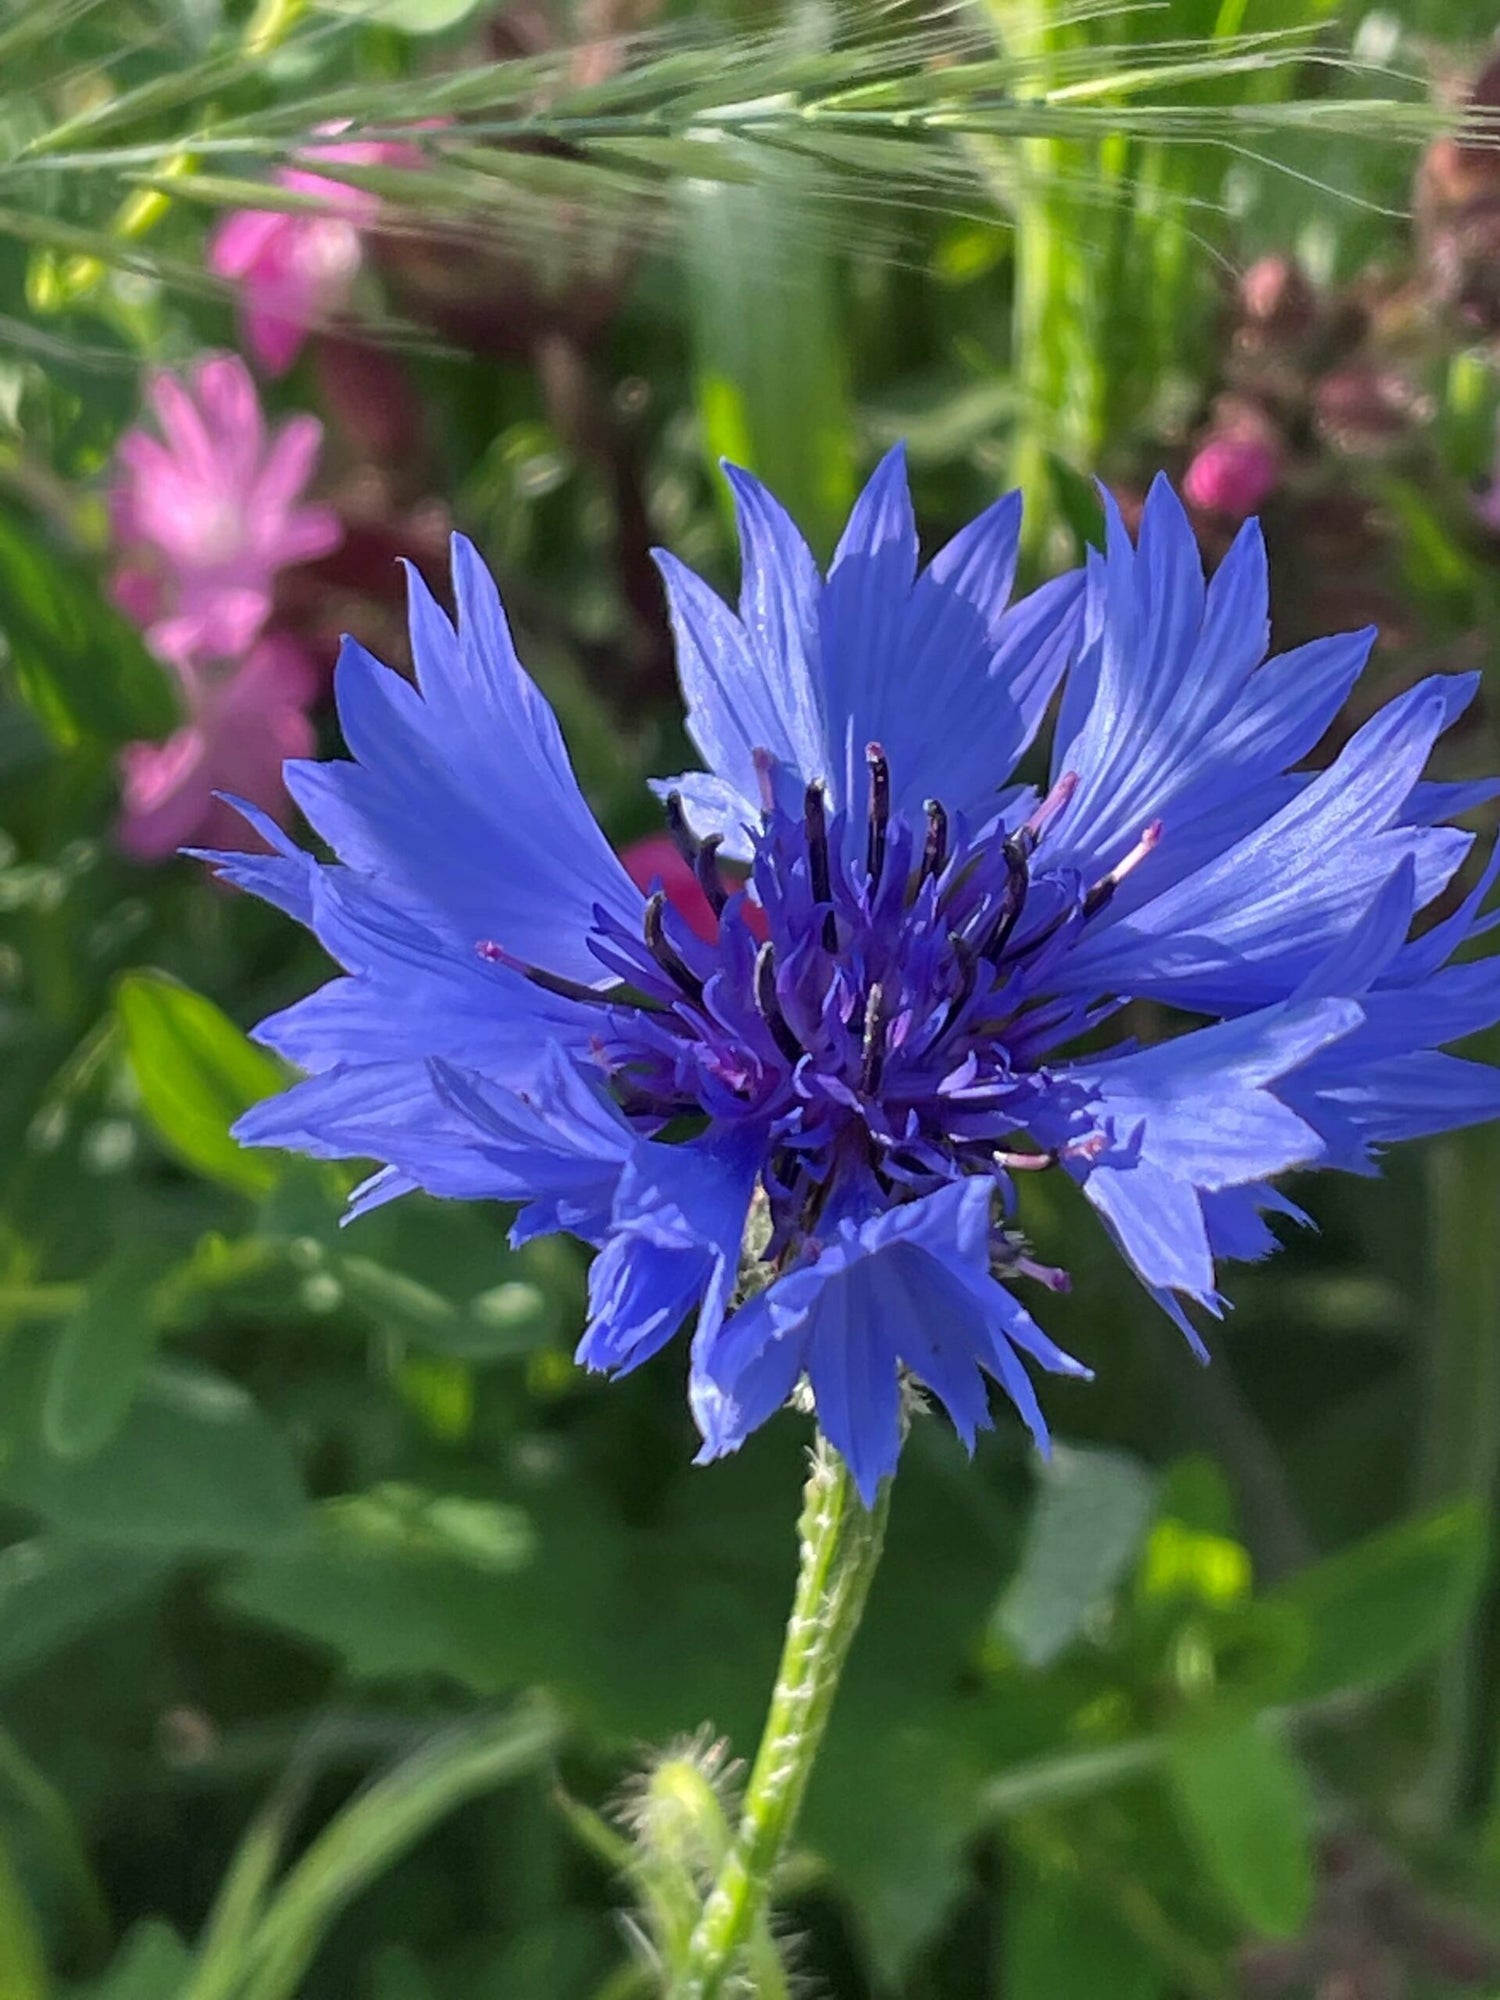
<point x="506" y="1320"/>
<point x="1059" y="1939"/>
<point x="103" y="1352"/>
<point x="195" y="1466"/>
<point x="196" y="1073"/>
<point x="1375" y="1611"/>
<point x="82" y="669"/>
<point x="152" y="1964"/>
<point x="411" y="17"/>
<point x="1092" y="1508"/>
<point x="398" y="1975"/>
<point x="1246" y="1810"/>
<point x="52" y="1590"/>
<point x="23" y="1962"/>
<point x="771" y="374"/>
<point x="382" y="1822"/>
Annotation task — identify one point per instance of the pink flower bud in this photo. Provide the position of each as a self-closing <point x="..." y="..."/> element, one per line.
<point x="1231" y="475"/>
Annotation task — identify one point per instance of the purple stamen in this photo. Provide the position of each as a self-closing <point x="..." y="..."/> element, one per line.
<point x="935" y="847"/>
<point x="683" y="837"/>
<point x="1013" y="901"/>
<point x="872" y="1054"/>
<point x="815" y="820"/>
<point x="661" y="949"/>
<point x="769" y="1006"/>
<point x="706" y="868"/>
<point x="556" y="982"/>
<point x="880" y="812"/>
<point x="765" y="777"/>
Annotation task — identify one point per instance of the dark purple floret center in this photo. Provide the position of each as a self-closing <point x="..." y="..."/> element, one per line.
<point x="879" y="1012"/>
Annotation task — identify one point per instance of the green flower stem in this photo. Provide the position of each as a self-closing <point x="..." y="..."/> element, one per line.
<point x="841" y="1541"/>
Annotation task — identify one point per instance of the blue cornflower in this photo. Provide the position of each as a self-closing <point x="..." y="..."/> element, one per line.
<point x="824" y="1112"/>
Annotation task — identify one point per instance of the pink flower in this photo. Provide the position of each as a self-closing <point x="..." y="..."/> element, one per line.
<point x="1231" y="475"/>
<point x="206" y="518"/>
<point x="294" y="270"/>
<point x="655" y="861"/>
<point x="246" y="723"/>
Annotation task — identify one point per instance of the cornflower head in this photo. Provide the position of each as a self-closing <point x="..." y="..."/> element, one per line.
<point x="206" y="515"/>
<point x="295" y="269"/>
<point x="904" y="1010"/>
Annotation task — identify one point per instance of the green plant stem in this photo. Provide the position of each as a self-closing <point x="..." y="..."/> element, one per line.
<point x="841" y="1542"/>
<point x="1459" y="1445"/>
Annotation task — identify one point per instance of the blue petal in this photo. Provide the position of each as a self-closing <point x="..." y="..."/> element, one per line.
<point x="1169" y="714"/>
<point x="1250" y="926"/>
<point x="1188" y="1117"/>
<point x="283" y="878"/>
<point x="906" y="1288"/>
<point x="1236" y="1225"/>
<point x="458" y="1135"/>
<point x="1410" y="1096"/>
<point x="933" y="667"/>
<point x="460" y="802"/>
<point x="676" y="1227"/>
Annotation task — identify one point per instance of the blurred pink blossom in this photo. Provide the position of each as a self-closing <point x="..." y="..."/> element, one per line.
<point x="1232" y="475"/>
<point x="205" y="519"/>
<point x="656" y="860"/>
<point x="295" y="270"/>
<point x="245" y="722"/>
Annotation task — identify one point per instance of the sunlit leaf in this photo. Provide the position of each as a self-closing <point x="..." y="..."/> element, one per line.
<point x="1375" y="1611"/>
<point x="152" y="1964"/>
<point x="196" y="1073"/>
<point x="23" y="1958"/>
<point x="75" y="660"/>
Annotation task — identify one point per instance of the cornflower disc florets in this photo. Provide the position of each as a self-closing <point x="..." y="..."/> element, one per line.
<point x="884" y="1018"/>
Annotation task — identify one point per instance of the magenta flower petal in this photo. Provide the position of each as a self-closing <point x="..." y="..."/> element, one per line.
<point x="207" y="518"/>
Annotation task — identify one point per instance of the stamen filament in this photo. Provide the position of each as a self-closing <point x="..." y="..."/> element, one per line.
<point x="706" y="868"/>
<point x="769" y="1006"/>
<point x="872" y="1055"/>
<point x="563" y="987"/>
<point x="662" y="950"/>
<point x="1096" y="898"/>
<point x="880" y="812"/>
<point x="683" y="837"/>
<point x="815" y="819"/>
<point x="1029" y="834"/>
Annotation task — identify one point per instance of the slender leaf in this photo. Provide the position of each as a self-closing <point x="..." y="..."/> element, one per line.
<point x="1375" y="1611"/>
<point x="1092" y="1509"/>
<point x="195" y="1466"/>
<point x="23" y="1959"/>
<point x="103" y="1352"/>
<point x="1246" y="1810"/>
<point x="196" y="1073"/>
<point x="74" y="659"/>
<point x="152" y="1964"/>
<point x="52" y="1591"/>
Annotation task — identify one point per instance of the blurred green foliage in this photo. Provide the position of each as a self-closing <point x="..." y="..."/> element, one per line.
<point x="336" y="1606"/>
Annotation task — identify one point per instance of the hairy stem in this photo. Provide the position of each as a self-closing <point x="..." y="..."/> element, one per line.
<point x="841" y="1541"/>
